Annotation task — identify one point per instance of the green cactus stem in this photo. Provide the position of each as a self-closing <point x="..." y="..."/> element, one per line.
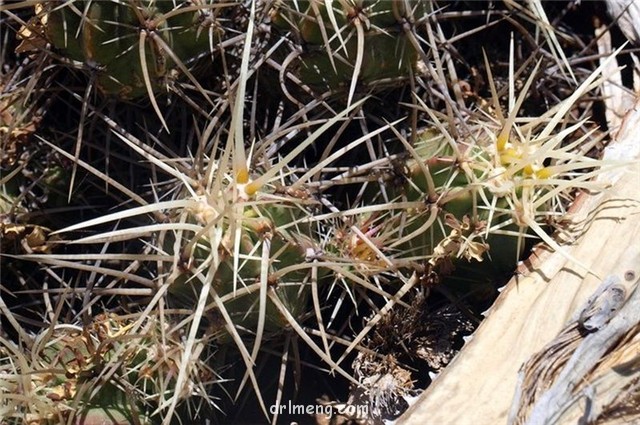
<point x="112" y="371"/>
<point x="128" y="43"/>
<point x="350" y="43"/>
<point x="269" y="221"/>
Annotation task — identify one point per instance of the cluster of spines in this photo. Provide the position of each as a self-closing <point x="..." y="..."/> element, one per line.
<point x="113" y="370"/>
<point x="261" y="257"/>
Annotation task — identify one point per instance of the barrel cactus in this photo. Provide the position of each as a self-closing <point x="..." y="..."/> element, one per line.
<point x="343" y="43"/>
<point x="248" y="244"/>
<point x="235" y="235"/>
<point x="133" y="47"/>
<point x="476" y="198"/>
<point x="113" y="370"/>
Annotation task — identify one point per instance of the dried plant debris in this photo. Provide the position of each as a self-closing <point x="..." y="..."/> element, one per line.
<point x="594" y="360"/>
<point x="626" y="13"/>
<point x="381" y="394"/>
<point x="384" y="386"/>
<point x="404" y="344"/>
<point x="30" y="175"/>
<point x="442" y="334"/>
<point x="421" y="332"/>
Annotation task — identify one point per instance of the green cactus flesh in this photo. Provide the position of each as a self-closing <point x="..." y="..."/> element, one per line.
<point x="385" y="56"/>
<point x="379" y="43"/>
<point x="467" y="217"/>
<point x="106" y="36"/>
<point x="260" y="223"/>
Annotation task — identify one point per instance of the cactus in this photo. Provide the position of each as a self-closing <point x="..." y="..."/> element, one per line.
<point x="468" y="203"/>
<point x="267" y="232"/>
<point x="236" y="245"/>
<point x="114" y="370"/>
<point x="345" y="43"/>
<point x="134" y="47"/>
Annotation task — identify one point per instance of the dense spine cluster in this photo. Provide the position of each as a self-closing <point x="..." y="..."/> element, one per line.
<point x="256" y="220"/>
